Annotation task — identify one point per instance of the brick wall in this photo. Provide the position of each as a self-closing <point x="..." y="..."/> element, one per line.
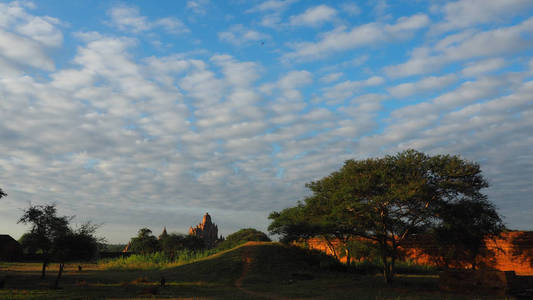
<point x="513" y="252"/>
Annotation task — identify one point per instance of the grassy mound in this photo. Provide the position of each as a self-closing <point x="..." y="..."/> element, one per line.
<point x="254" y="262"/>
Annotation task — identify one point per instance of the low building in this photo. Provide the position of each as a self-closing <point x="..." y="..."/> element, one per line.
<point x="10" y="249"/>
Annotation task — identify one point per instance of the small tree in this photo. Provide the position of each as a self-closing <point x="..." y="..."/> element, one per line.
<point x="2" y="193"/>
<point x="144" y="242"/>
<point x="46" y="230"/>
<point x="77" y="244"/>
<point x="52" y="237"/>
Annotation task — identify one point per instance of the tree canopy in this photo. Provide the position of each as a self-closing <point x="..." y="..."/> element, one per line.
<point x="52" y="237"/>
<point x="386" y="201"/>
<point x="144" y="242"/>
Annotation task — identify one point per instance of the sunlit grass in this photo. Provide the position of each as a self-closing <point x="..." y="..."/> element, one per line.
<point x="154" y="261"/>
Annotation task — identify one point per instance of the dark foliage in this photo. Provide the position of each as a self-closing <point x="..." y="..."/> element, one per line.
<point x="458" y="240"/>
<point x="52" y="237"/>
<point x="242" y="236"/>
<point x="522" y="246"/>
<point x="388" y="200"/>
<point x="144" y="242"/>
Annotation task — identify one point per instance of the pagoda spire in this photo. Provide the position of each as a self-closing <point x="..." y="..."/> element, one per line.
<point x="163" y="234"/>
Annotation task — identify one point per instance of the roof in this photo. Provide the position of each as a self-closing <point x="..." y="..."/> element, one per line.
<point x="4" y="238"/>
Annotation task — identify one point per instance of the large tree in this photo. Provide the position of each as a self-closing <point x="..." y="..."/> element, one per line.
<point x="385" y="201"/>
<point x="52" y="237"/>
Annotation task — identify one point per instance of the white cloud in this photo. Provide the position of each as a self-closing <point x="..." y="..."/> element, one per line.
<point x="494" y="132"/>
<point x="466" y="93"/>
<point x="331" y="77"/>
<point x="380" y="8"/>
<point x="171" y="25"/>
<point x="465" y="13"/>
<point x="128" y="18"/>
<point x="483" y="66"/>
<point x="198" y="6"/>
<point x="238" y="74"/>
<point x="350" y="8"/>
<point x="342" y="39"/>
<point x="348" y="88"/>
<point x="314" y="16"/>
<point x="428" y="84"/>
<point x="42" y="29"/>
<point x="240" y="35"/>
<point x="407" y="24"/>
<point x="25" y="39"/>
<point x="271" y="11"/>
<point x="295" y="80"/>
<point x="271" y="5"/>
<point x="24" y="51"/>
<point x="162" y="139"/>
<point x="464" y="46"/>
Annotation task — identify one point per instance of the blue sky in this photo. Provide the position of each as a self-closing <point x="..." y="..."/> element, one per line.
<point x="148" y="114"/>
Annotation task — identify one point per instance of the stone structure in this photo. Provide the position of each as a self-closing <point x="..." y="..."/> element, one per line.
<point x="163" y="234"/>
<point x="207" y="231"/>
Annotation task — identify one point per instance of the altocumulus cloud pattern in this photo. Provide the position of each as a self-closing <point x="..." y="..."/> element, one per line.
<point x="154" y="113"/>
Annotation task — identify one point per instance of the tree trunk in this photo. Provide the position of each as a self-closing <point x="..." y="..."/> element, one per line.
<point x="43" y="271"/>
<point x="392" y="267"/>
<point x="348" y="258"/>
<point x="386" y="270"/>
<point x="56" y="283"/>
<point x="387" y="267"/>
<point x="331" y="247"/>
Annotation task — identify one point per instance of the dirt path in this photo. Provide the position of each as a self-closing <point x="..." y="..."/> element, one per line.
<point x="246" y="263"/>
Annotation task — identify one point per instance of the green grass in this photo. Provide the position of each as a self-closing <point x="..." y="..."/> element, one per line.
<point x="263" y="271"/>
<point x="153" y="261"/>
<point x="401" y="267"/>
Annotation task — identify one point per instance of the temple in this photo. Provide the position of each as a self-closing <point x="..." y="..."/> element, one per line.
<point x="207" y="231"/>
<point x="163" y="234"/>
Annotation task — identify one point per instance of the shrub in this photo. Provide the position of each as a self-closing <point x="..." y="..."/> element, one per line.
<point x="156" y="260"/>
<point x="242" y="236"/>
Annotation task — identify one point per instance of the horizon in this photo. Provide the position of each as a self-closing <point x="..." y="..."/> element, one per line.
<point x="140" y="114"/>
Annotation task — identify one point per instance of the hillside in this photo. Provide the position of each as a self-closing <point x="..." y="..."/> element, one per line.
<point x="253" y="262"/>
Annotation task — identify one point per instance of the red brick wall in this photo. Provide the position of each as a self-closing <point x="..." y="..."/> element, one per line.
<point x="513" y="249"/>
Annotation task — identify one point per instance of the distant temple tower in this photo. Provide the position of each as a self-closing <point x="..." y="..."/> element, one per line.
<point x="163" y="234"/>
<point x="207" y="231"/>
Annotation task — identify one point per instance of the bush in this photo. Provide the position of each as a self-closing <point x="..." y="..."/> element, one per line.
<point x="242" y="236"/>
<point x="368" y="267"/>
<point x="156" y="260"/>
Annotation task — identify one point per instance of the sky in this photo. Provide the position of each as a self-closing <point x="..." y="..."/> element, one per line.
<point x="136" y="114"/>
